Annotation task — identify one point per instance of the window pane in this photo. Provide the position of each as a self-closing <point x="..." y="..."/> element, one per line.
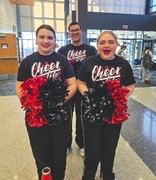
<point x="60" y="26"/>
<point x="25" y="11"/>
<point x="37" y="23"/>
<point x="59" y="10"/>
<point x="26" y="35"/>
<point x="49" y="22"/>
<point x="95" y="9"/>
<point x="153" y="2"/>
<point x="48" y="10"/>
<point x="153" y="9"/>
<point x="89" y="8"/>
<point x="73" y="7"/>
<point x="114" y="6"/>
<point x="60" y="36"/>
<point x="26" y="24"/>
<point x="37" y="9"/>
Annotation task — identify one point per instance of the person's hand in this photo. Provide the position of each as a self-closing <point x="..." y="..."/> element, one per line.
<point x="60" y="104"/>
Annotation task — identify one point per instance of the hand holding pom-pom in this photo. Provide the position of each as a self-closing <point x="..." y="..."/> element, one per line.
<point x="97" y="104"/>
<point x="105" y="102"/>
<point x="53" y="95"/>
<point x="119" y="95"/>
<point x="30" y="101"/>
<point x="44" y="101"/>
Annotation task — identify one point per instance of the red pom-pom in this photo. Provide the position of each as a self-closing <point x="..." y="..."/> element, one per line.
<point x="30" y="101"/>
<point x="119" y="95"/>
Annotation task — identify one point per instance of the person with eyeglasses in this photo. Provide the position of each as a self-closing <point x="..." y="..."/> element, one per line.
<point x="76" y="53"/>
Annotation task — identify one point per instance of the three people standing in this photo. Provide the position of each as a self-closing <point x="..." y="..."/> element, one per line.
<point x="49" y="143"/>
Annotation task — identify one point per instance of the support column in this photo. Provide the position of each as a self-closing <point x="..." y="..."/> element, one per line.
<point x="66" y="13"/>
<point x="81" y="16"/>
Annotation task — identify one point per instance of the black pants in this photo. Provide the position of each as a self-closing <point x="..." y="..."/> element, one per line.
<point x="100" y="145"/>
<point x="75" y="102"/>
<point x="49" y="147"/>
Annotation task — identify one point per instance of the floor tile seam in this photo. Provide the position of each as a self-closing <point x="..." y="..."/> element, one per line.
<point x="145" y="104"/>
<point x="142" y="163"/>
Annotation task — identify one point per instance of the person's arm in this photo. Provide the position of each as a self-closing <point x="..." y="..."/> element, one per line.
<point x="72" y="87"/>
<point x="151" y="54"/>
<point x="82" y="87"/>
<point x="18" y="88"/>
<point x="130" y="88"/>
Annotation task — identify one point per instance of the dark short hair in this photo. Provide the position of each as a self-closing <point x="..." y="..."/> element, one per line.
<point x="45" y="26"/>
<point x="74" y="23"/>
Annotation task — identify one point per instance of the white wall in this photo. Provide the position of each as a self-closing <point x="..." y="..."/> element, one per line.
<point x="7" y="16"/>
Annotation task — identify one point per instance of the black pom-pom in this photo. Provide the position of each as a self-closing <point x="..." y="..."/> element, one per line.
<point x="98" y="104"/>
<point x="53" y="94"/>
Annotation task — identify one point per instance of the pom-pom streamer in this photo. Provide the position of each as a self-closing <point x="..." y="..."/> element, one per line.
<point x="105" y="102"/>
<point x="44" y="101"/>
<point x="119" y="95"/>
<point x="97" y="104"/>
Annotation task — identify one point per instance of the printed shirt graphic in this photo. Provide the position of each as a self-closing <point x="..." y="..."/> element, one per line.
<point x="53" y="66"/>
<point x="97" y="69"/>
<point x="50" y="70"/>
<point x="100" y="73"/>
<point x="75" y="58"/>
<point x="77" y="54"/>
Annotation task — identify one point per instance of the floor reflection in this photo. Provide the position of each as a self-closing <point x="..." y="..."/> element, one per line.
<point x="149" y="125"/>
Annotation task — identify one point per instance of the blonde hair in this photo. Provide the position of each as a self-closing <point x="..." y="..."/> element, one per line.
<point x="56" y="46"/>
<point x="108" y="32"/>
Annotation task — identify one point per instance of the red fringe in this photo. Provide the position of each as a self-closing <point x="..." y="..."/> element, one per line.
<point x="30" y="101"/>
<point x="119" y="95"/>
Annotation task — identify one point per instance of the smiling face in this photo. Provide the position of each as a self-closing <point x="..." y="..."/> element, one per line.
<point x="75" y="33"/>
<point x="107" y="44"/>
<point x="46" y="41"/>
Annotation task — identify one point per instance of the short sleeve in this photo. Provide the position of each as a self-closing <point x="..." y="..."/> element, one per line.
<point x="23" y="70"/>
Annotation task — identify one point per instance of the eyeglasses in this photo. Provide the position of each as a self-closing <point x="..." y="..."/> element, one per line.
<point x="75" y="30"/>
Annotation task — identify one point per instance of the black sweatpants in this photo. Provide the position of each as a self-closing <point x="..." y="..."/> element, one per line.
<point x="49" y="147"/>
<point x="100" y="145"/>
<point x="75" y="102"/>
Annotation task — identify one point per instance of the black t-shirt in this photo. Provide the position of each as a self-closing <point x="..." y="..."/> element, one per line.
<point x="96" y="69"/>
<point x="54" y="65"/>
<point x="77" y="54"/>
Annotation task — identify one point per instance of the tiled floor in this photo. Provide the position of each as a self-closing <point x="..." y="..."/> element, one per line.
<point x="135" y="155"/>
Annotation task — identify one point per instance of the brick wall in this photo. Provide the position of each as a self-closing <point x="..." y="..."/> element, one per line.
<point x="7" y="16"/>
